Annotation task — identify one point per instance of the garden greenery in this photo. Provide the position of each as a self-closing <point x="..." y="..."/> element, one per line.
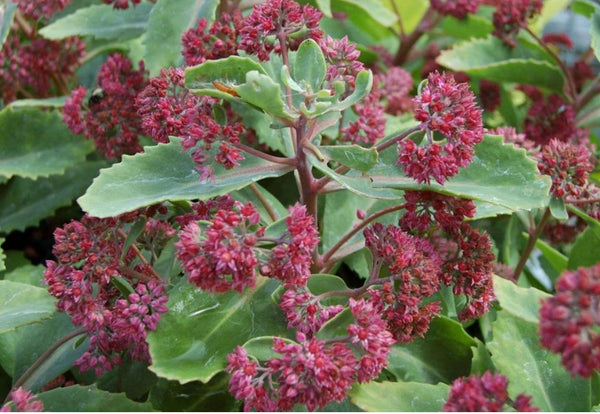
<point x="378" y="205"/>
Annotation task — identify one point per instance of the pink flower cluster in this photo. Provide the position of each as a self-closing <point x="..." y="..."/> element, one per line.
<point x="276" y="24"/>
<point x="220" y="41"/>
<point x="33" y="67"/>
<point x="22" y="401"/>
<point x="313" y="372"/>
<point x="35" y="9"/>
<point x="89" y="258"/>
<point x="487" y="392"/>
<point x="465" y="252"/>
<point x="568" y="165"/>
<point x="225" y="254"/>
<point x="512" y="15"/>
<point x="450" y="109"/>
<point x="569" y="320"/>
<point x="109" y="118"/>
<point x="550" y="118"/>
<point x="456" y="8"/>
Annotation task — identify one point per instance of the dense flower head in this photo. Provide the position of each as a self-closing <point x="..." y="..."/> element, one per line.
<point x="581" y="72"/>
<point x="304" y="311"/>
<point x="122" y="4"/>
<point x="342" y="60"/>
<point x="487" y="392"/>
<point x="568" y="165"/>
<point x="569" y="320"/>
<point x="205" y="210"/>
<point x="22" y="401"/>
<point x="427" y="210"/>
<point x="222" y="256"/>
<point x="550" y="118"/>
<point x="167" y="108"/>
<point x="456" y="8"/>
<point x="370" y="333"/>
<point x="396" y="85"/>
<point x="412" y="261"/>
<point x="489" y="93"/>
<point x="109" y="117"/>
<point x="511" y="136"/>
<point x="312" y="373"/>
<point x="370" y="124"/>
<point x="89" y="255"/>
<point x="469" y="270"/>
<point x="35" y="9"/>
<point x="220" y="41"/>
<point x="291" y="259"/>
<point x="278" y="20"/>
<point x="511" y="15"/>
<point x="448" y="108"/>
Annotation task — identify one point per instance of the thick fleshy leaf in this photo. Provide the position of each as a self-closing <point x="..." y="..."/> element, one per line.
<point x="585" y="250"/>
<point x="309" y="65"/>
<point x="101" y="21"/>
<point x="229" y="71"/>
<point x="490" y="59"/>
<point x="37" y="143"/>
<point x="523" y="303"/>
<point x="194" y="396"/>
<point x="7" y="14"/>
<point x="400" y="396"/>
<point x="80" y="398"/>
<point x="163" y="172"/>
<point x="469" y="27"/>
<point x="27" y="273"/>
<point x="24" y="202"/>
<point x="585" y="7"/>
<point x="443" y="355"/>
<point x="54" y="102"/>
<point x="555" y="258"/>
<point x="533" y="370"/>
<point x="325" y="7"/>
<point x="261" y="91"/>
<point x="372" y="8"/>
<point x="195" y="336"/>
<point x="2" y="255"/>
<point x="499" y="174"/>
<point x="168" y="20"/>
<point x="352" y="156"/>
<point x="23" y="304"/>
<point x="22" y="347"/>
<point x="595" y="33"/>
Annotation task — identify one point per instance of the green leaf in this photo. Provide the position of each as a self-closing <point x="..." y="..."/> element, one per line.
<point x="595" y="33"/>
<point x="499" y="175"/>
<point x="214" y="396"/>
<point x="309" y="65"/>
<point x="263" y="92"/>
<point x="325" y="7"/>
<point x="490" y="59"/>
<point x="54" y="102"/>
<point x="555" y="258"/>
<point x="80" y="398"/>
<point x="194" y="337"/>
<point x="163" y="172"/>
<point x="373" y="9"/>
<point x="230" y="71"/>
<point x="523" y="303"/>
<point x="352" y="156"/>
<point x="469" y="27"/>
<point x="24" y="202"/>
<point x="2" y="255"/>
<point x="362" y="87"/>
<point x="23" y="304"/>
<point x="37" y="143"/>
<point x="585" y="250"/>
<point x="558" y="209"/>
<point x="400" y="396"/>
<point x="585" y="7"/>
<point x="27" y="273"/>
<point x="261" y="347"/>
<point x="22" y="347"/>
<point x="443" y="355"/>
<point x="101" y="21"/>
<point x="533" y="370"/>
<point x="168" y="20"/>
<point x="7" y="14"/>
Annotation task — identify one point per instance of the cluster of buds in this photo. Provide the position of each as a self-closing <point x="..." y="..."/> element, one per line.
<point x="113" y="294"/>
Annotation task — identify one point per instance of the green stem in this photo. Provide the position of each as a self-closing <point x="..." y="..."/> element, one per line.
<point x="263" y="201"/>
<point x="533" y="237"/>
<point x="38" y="363"/>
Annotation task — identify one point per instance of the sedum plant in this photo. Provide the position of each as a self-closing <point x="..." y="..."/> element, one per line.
<point x="279" y="205"/>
